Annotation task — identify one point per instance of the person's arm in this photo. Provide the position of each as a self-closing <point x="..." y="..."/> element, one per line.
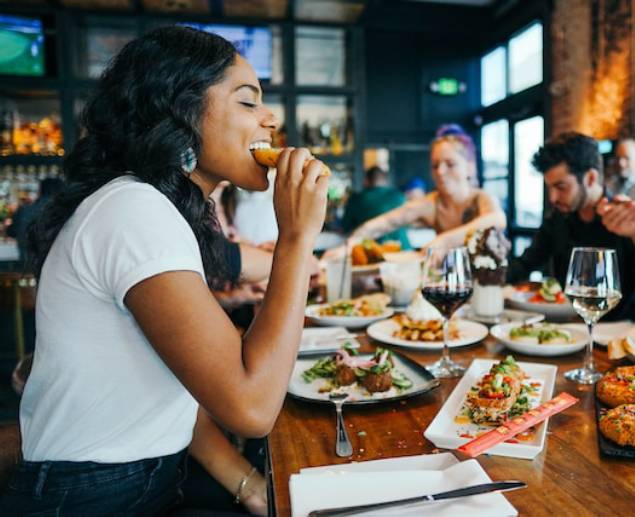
<point x="197" y="341"/>
<point x="420" y="209"/>
<point x="211" y="448"/>
<point x="490" y="214"/>
<point x="618" y="216"/>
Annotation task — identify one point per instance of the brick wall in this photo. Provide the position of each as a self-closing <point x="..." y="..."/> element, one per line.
<point x="593" y="66"/>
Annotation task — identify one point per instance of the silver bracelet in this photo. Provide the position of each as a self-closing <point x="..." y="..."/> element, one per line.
<point x="242" y="484"/>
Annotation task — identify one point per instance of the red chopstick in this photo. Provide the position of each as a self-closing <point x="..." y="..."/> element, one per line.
<point x="517" y="425"/>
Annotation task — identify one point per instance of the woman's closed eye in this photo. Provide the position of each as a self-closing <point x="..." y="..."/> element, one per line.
<point x="250" y="105"/>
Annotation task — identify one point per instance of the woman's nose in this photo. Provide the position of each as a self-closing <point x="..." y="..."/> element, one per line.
<point x="270" y="120"/>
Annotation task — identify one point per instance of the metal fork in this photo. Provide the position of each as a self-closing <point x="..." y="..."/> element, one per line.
<point x="343" y="445"/>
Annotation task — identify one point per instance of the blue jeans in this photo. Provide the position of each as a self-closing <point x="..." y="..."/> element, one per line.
<point x="58" y="488"/>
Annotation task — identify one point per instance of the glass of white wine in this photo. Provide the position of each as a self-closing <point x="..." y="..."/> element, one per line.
<point x="593" y="286"/>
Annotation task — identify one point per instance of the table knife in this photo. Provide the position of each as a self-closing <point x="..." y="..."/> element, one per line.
<point x="498" y="486"/>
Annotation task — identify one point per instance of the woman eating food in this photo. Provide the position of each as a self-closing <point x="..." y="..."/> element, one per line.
<point x="455" y="208"/>
<point x="130" y="340"/>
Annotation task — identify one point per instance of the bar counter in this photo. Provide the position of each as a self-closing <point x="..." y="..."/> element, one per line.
<point x="569" y="477"/>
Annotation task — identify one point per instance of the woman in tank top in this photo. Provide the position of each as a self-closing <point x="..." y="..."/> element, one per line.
<point x="455" y="208"/>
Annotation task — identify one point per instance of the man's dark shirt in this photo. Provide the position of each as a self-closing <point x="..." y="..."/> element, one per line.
<point x="551" y="248"/>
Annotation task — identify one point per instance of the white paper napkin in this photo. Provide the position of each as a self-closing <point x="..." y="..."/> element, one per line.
<point x="324" y="339"/>
<point x="604" y="332"/>
<point x="396" y="478"/>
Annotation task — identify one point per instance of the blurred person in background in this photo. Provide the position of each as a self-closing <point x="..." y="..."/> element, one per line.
<point x="622" y="181"/>
<point x="455" y="208"/>
<point x="27" y="212"/>
<point x="571" y="165"/>
<point x="377" y="198"/>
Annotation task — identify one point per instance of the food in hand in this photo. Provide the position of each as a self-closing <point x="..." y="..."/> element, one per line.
<point x="364" y="306"/>
<point x="422" y="330"/>
<point x="499" y="395"/>
<point x="267" y="156"/>
<point x="618" y="424"/>
<point x="617" y="387"/>
<point x="346" y="368"/>
<point x="541" y="334"/>
<point x="550" y="292"/>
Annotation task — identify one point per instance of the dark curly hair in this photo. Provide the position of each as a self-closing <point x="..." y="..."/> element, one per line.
<point x="578" y="151"/>
<point x="145" y="112"/>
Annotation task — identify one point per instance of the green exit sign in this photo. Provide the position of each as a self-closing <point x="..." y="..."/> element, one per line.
<point x="447" y="86"/>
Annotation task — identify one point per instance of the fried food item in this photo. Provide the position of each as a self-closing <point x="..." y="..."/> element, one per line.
<point x="497" y="392"/>
<point x="345" y="375"/>
<point x="618" y="387"/>
<point x="268" y="157"/>
<point x="377" y="382"/>
<point x="618" y="424"/>
<point x="367" y="252"/>
<point x="426" y="330"/>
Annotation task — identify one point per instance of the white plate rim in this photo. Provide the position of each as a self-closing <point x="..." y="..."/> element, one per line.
<point x="552" y="310"/>
<point x="546" y="372"/>
<point x="343" y="321"/>
<point x="501" y="333"/>
<point x="376" y="332"/>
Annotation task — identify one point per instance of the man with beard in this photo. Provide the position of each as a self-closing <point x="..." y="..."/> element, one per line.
<point x="572" y="169"/>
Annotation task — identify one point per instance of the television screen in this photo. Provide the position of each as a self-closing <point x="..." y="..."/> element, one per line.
<point x="21" y="46"/>
<point x="253" y="43"/>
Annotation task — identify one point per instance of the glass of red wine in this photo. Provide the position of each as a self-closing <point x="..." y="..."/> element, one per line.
<point x="446" y="284"/>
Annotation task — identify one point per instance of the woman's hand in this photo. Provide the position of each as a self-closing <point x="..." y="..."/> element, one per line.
<point x="255" y="495"/>
<point x="300" y="195"/>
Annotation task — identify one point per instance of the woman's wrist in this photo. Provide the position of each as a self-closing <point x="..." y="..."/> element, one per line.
<point x="240" y="493"/>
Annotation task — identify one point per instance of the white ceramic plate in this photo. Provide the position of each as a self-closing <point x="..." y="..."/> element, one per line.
<point x="351" y="322"/>
<point x="445" y="432"/>
<point x="325" y="340"/>
<point x="364" y="482"/>
<point x="552" y="311"/>
<point x="507" y="316"/>
<point x="422" y="381"/>
<point x="470" y="332"/>
<point x="501" y="332"/>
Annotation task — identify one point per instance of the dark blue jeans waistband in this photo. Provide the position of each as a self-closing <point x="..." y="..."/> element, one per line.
<point x="65" y="475"/>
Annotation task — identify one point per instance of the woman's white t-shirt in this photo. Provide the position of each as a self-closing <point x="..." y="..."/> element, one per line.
<point x="98" y="391"/>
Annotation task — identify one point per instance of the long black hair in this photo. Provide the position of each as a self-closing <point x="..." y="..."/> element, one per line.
<point x="145" y="113"/>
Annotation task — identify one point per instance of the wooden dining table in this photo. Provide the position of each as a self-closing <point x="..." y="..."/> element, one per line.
<point x="569" y="477"/>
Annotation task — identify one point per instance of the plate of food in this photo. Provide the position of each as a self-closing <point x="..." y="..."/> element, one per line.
<point x="401" y="330"/>
<point x="543" y="339"/>
<point x="546" y="298"/>
<point x="620" y="348"/>
<point x="489" y="393"/>
<point x="366" y="378"/>
<point x="368" y="254"/>
<point x="615" y="412"/>
<point x="351" y="313"/>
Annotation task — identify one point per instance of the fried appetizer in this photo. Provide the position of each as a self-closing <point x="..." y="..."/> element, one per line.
<point x="618" y="424"/>
<point x="426" y="330"/>
<point x="267" y="156"/>
<point x="618" y="387"/>
<point x="496" y="393"/>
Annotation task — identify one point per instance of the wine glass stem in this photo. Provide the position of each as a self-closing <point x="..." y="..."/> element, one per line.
<point x="446" y="340"/>
<point x="589" y="363"/>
